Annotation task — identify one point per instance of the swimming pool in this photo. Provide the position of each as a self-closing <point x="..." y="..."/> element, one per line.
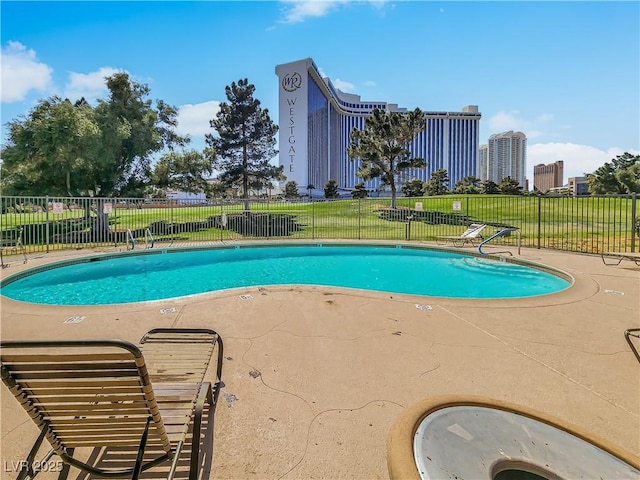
<point x="162" y="274"/>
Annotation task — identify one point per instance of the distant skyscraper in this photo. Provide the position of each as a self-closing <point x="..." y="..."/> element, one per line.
<point x="483" y="162"/>
<point x="546" y="177"/>
<point x="506" y="156"/>
<point x="316" y="120"/>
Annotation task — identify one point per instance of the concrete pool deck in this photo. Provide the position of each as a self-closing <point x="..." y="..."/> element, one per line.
<point x="314" y="377"/>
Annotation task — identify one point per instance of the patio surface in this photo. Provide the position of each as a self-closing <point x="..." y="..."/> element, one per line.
<point x="314" y="377"/>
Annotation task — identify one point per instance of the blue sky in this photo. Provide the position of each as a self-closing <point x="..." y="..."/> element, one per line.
<point x="567" y="74"/>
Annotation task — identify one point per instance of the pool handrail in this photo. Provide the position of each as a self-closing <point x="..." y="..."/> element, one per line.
<point x="131" y="239"/>
<point x="149" y="238"/>
<point x="500" y="233"/>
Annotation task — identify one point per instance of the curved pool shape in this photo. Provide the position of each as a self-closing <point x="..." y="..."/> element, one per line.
<point x="155" y="275"/>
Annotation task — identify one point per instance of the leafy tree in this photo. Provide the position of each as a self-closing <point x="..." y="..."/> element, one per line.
<point x="51" y="151"/>
<point x="359" y="191"/>
<point x="310" y="187"/>
<point x="437" y="184"/>
<point x="291" y="190"/>
<point x="413" y="188"/>
<point x="382" y="146"/>
<point x="489" y="187"/>
<point x="468" y="185"/>
<point x="510" y="186"/>
<point x="132" y="132"/>
<point x="331" y="189"/>
<point x="184" y="171"/>
<point x="65" y="149"/>
<point x="245" y="141"/>
<point x="61" y="148"/>
<point x="217" y="190"/>
<point x="629" y="177"/>
<point x="621" y="175"/>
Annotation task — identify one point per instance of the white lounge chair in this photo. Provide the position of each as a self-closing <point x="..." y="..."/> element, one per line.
<point x="470" y="235"/>
<point x="616" y="258"/>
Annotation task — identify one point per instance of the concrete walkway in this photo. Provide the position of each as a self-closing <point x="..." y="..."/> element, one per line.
<point x="314" y="377"/>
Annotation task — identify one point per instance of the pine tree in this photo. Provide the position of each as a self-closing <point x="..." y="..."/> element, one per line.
<point x="245" y="141"/>
<point x="331" y="189"/>
<point x="291" y="190"/>
<point x="437" y="184"/>
<point x="360" y="191"/>
<point x="413" y="188"/>
<point x="382" y="146"/>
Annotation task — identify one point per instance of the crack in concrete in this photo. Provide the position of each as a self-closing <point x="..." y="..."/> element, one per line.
<point x="330" y="410"/>
<point x="429" y="371"/>
<point x="179" y="315"/>
<point x="617" y="352"/>
<point x="258" y="374"/>
<point x="546" y="365"/>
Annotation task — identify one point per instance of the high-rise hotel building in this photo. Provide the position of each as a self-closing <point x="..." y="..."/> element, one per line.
<point x="504" y="156"/>
<point x="316" y="120"/>
<point x="546" y="177"/>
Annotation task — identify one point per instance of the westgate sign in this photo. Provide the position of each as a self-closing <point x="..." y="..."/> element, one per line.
<point x="292" y="131"/>
<point x="293" y="120"/>
<point x="292" y="82"/>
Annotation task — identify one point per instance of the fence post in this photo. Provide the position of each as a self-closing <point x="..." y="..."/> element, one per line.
<point x="359" y="216"/>
<point x="171" y="232"/>
<point x="635" y="226"/>
<point x="313" y="219"/>
<point x="46" y="233"/>
<point x="539" y="219"/>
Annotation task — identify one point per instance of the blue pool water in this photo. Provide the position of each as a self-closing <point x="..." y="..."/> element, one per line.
<point x="142" y="277"/>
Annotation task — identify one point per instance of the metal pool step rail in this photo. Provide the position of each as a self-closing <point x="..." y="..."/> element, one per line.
<point x="501" y="233"/>
<point x="148" y="237"/>
<point x="16" y="244"/>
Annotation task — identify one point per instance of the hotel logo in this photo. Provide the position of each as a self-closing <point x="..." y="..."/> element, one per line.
<point x="292" y="82"/>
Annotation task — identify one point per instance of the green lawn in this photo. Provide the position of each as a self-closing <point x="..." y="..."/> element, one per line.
<point x="586" y="224"/>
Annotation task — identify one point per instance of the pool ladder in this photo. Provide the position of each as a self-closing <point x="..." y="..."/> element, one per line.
<point x="17" y="245"/>
<point x="501" y="233"/>
<point x="149" y="241"/>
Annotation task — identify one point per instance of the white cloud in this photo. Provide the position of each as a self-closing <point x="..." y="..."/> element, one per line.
<point x="91" y="86"/>
<point x="578" y="159"/>
<point x="21" y="72"/>
<point x="296" y="11"/>
<point x="193" y="120"/>
<point x="344" y="86"/>
<point x="505" y="121"/>
<point x="369" y="83"/>
<point x="512" y="120"/>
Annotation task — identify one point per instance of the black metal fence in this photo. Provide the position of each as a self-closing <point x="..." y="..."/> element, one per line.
<point x="590" y="224"/>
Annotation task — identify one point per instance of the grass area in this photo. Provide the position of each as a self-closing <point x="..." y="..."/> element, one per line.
<point x="585" y="224"/>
